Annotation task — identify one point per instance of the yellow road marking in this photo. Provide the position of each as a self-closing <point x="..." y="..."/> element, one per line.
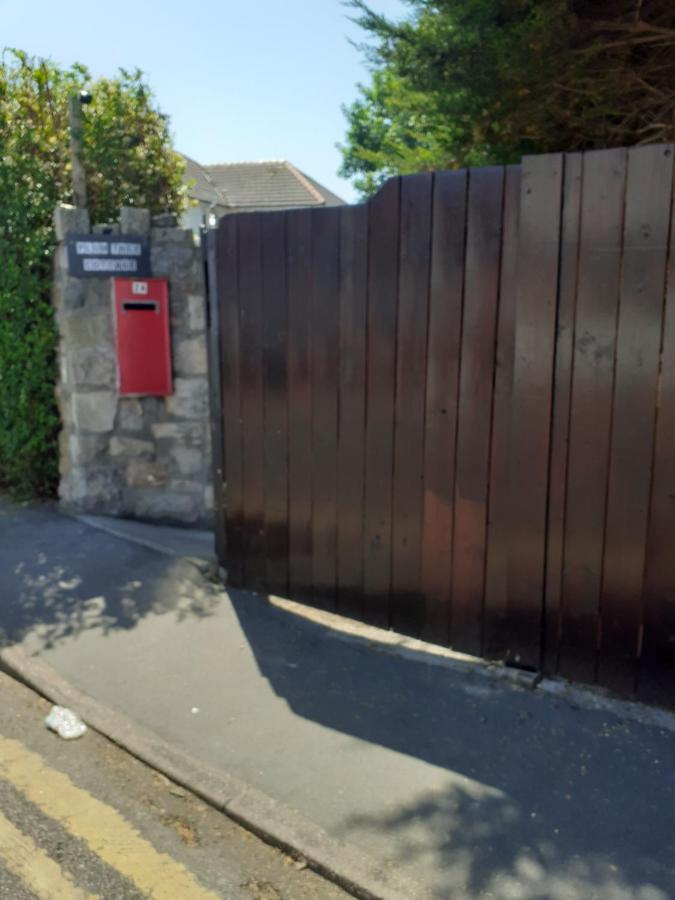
<point x="102" y="828"/>
<point x="45" y="878"/>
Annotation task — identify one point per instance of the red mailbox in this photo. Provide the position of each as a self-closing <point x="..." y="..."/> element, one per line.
<point x="143" y="337"/>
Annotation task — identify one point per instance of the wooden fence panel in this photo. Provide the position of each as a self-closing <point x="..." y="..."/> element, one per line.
<point x="562" y="398"/>
<point x="352" y="392"/>
<point x="446" y="291"/>
<point x="299" y="275"/>
<point x="656" y="680"/>
<point x="381" y="379"/>
<point x="216" y="377"/>
<point x="499" y="502"/>
<point x="647" y="220"/>
<point x="275" y="384"/>
<point x="450" y="410"/>
<point x="590" y="421"/>
<point x="536" y="311"/>
<point x="411" y="364"/>
<point x="324" y="357"/>
<point x="477" y="355"/>
<point x="227" y="278"/>
<point x="252" y="400"/>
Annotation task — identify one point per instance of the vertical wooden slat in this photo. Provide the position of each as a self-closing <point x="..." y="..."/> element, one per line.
<point x="352" y="405"/>
<point x="252" y="404"/>
<point x="411" y="363"/>
<point x="569" y="257"/>
<point x="590" y="420"/>
<point x="228" y="293"/>
<point x="383" y="227"/>
<point x="656" y="680"/>
<point x="325" y="343"/>
<point x="536" y="303"/>
<point x="647" y="220"/>
<point x="481" y="290"/>
<point x="445" y="323"/>
<point x="213" y="300"/>
<point x="275" y="375"/>
<point x="299" y="274"/>
<point x="499" y="503"/>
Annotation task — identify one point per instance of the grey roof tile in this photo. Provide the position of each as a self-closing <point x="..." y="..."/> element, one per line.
<point x="201" y="185"/>
<point x="268" y="185"/>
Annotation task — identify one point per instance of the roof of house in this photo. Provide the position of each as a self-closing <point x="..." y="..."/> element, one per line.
<point x="201" y="186"/>
<point x="257" y="185"/>
<point x="331" y="198"/>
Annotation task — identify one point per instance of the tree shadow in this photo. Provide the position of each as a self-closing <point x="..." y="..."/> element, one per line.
<point x="536" y="798"/>
<point x="59" y="578"/>
<point x="480" y="843"/>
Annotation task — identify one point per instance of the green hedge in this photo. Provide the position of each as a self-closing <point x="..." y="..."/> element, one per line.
<point x="129" y="161"/>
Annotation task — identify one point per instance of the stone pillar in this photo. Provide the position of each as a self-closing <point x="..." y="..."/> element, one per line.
<point x="142" y="457"/>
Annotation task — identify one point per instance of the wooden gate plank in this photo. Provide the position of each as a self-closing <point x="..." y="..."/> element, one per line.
<point x="411" y="364"/>
<point x="446" y="291"/>
<point x="325" y="325"/>
<point x="536" y="308"/>
<point x="562" y="396"/>
<point x="216" y="379"/>
<point x="299" y="275"/>
<point x="352" y="407"/>
<point x="228" y="293"/>
<point x="481" y="292"/>
<point x="590" y="420"/>
<point x="499" y="503"/>
<point x="383" y="231"/>
<point x="656" y="681"/>
<point x="647" y="220"/>
<point x="275" y="377"/>
<point x="252" y="401"/>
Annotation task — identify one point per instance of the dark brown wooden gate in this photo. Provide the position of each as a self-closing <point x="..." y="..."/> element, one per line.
<point x="451" y="411"/>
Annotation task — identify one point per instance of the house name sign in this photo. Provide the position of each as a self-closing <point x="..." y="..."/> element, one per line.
<point x="108" y="254"/>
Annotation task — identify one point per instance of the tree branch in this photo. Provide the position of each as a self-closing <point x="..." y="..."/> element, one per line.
<point x="627" y="42"/>
<point x="638" y="27"/>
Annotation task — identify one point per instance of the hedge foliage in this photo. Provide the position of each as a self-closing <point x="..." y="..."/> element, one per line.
<point x="129" y="161"/>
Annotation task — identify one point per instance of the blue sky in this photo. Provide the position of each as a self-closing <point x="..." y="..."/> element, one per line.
<point x="249" y="80"/>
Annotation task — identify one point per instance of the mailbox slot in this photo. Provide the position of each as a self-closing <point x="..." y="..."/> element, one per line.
<point x="143" y="336"/>
<point x="140" y="306"/>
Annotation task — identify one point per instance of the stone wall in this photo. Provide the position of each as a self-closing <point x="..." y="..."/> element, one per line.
<point x="142" y="457"/>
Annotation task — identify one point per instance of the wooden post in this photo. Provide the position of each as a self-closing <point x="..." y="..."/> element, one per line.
<point x="78" y="175"/>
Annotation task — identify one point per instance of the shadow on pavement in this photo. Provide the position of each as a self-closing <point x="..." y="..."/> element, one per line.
<point x="541" y="799"/>
<point x="485" y="790"/>
<point x="58" y="578"/>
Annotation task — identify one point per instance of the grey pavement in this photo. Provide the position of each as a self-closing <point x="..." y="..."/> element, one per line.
<point x="468" y="786"/>
<point x="171" y="541"/>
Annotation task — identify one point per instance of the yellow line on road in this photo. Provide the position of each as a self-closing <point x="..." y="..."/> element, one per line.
<point x="101" y="827"/>
<point x="45" y="878"/>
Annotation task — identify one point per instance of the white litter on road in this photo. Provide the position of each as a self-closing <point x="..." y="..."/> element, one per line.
<point x="65" y="723"/>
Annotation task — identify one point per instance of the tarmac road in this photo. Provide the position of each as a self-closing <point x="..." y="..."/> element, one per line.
<point x="83" y="819"/>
